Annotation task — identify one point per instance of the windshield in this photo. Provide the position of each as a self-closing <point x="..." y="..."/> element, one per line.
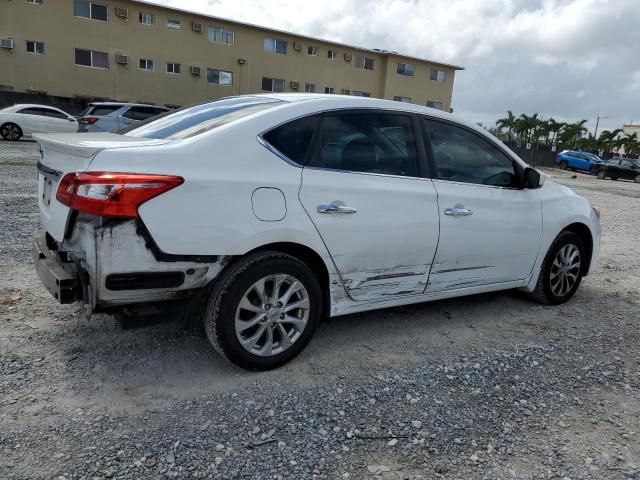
<point x="189" y="121"/>
<point x="593" y="157"/>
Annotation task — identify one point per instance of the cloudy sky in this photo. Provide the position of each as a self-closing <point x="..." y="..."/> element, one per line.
<point x="570" y="59"/>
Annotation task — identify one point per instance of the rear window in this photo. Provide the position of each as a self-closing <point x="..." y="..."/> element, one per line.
<point x="190" y="121"/>
<point x="293" y="139"/>
<point x="100" y="110"/>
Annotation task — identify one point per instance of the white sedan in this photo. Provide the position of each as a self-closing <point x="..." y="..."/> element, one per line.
<point x="25" y="120"/>
<point x="267" y="212"/>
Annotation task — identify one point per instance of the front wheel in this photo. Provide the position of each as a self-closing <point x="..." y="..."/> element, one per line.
<point x="602" y="175"/>
<point x="561" y="271"/>
<point x="637" y="179"/>
<point x="563" y="165"/>
<point x="263" y="311"/>
<point x="11" y="132"/>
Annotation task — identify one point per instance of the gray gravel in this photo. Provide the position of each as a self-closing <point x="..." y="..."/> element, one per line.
<point x="488" y="387"/>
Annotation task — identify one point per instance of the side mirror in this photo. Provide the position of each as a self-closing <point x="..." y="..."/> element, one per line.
<point x="533" y="178"/>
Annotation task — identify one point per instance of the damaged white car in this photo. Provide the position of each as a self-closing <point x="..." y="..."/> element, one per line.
<point x="273" y="210"/>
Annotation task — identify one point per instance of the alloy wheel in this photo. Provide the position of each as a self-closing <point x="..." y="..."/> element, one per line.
<point x="565" y="270"/>
<point x="637" y="179"/>
<point x="10" y="132"/>
<point x="601" y="174"/>
<point x="272" y="314"/>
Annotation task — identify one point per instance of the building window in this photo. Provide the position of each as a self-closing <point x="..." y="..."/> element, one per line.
<point x="219" y="77"/>
<point x="36" y="2"/>
<point x="147" y="18"/>
<point x="332" y="54"/>
<point x="438" y="75"/>
<point x="406" y="69"/>
<point x="145" y="64"/>
<point x="221" y="35"/>
<point x="437" y="105"/>
<point x="312" y="51"/>
<point x="272" y="84"/>
<point x="329" y="90"/>
<point x="174" y="23"/>
<point x="86" y="9"/>
<point x="309" y="88"/>
<point x="91" y="58"/>
<point x="274" y="45"/>
<point x="358" y="93"/>
<point x="364" y="63"/>
<point x="35" y="47"/>
<point x="173" y="68"/>
<point x="402" y="99"/>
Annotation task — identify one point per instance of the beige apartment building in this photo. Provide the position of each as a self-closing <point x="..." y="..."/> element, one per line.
<point x="129" y="50"/>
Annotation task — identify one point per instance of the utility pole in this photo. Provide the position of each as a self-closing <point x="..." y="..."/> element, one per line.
<point x="595" y="134"/>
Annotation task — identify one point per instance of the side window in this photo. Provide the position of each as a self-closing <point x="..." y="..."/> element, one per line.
<point x="56" y="114"/>
<point x="42" y="112"/>
<point x="367" y="142"/>
<point x="102" y="110"/>
<point x="463" y="156"/>
<point x="140" y="113"/>
<point x="293" y="139"/>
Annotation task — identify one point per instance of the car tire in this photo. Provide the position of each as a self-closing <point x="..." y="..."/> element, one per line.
<point x="602" y="174"/>
<point x="245" y="319"/>
<point x="559" y="280"/>
<point x="563" y="165"/>
<point x="10" y="132"/>
<point x="636" y="179"/>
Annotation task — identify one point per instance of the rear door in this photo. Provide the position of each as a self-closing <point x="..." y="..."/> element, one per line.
<point x="364" y="191"/>
<point x="59" y="122"/>
<point x="490" y="228"/>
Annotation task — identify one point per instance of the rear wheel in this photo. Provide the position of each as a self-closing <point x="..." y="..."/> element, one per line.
<point x="561" y="271"/>
<point x="637" y="179"/>
<point x="263" y="311"/>
<point x="602" y="175"/>
<point x="11" y="132"/>
<point x="563" y="165"/>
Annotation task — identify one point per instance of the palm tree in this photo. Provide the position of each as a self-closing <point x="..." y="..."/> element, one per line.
<point x="507" y="122"/>
<point x="554" y="128"/>
<point x="607" y="139"/>
<point x="630" y="143"/>
<point x="571" y="132"/>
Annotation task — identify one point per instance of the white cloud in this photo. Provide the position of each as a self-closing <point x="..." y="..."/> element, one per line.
<point x="523" y="55"/>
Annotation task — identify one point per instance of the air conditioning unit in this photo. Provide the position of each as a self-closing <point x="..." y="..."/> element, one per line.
<point x="297" y="46"/>
<point x="346" y="91"/>
<point x="122" y="59"/>
<point x="195" y="71"/>
<point x="196" y="27"/>
<point x="122" y="12"/>
<point x="295" y="85"/>
<point x="348" y="57"/>
<point x="6" y="43"/>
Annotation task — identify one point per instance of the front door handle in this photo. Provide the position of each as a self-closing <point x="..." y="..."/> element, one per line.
<point x="458" y="211"/>
<point x="333" y="208"/>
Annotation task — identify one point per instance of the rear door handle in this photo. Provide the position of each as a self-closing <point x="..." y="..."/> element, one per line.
<point x="333" y="208"/>
<point x="458" y="212"/>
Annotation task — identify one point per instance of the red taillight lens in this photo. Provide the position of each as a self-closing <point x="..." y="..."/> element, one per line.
<point x="88" y="120"/>
<point x="108" y="194"/>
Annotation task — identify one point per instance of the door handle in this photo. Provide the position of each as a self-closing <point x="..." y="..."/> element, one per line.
<point x="458" y="212"/>
<point x="333" y="208"/>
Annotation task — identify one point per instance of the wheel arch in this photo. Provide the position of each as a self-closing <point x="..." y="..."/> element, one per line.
<point x="584" y="233"/>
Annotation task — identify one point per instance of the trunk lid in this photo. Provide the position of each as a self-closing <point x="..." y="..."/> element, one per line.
<point x="63" y="153"/>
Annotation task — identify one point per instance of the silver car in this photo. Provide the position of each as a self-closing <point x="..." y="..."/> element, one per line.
<point x="114" y="116"/>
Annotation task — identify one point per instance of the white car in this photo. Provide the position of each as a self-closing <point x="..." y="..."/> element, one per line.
<point x="25" y="120"/>
<point x="269" y="211"/>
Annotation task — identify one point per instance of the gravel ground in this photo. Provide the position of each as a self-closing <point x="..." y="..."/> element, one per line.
<point x="488" y="387"/>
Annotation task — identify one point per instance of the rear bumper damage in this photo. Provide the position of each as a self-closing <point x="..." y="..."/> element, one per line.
<point x="107" y="265"/>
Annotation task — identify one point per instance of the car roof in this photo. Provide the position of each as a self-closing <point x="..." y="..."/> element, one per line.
<point x="128" y="104"/>
<point x="20" y="106"/>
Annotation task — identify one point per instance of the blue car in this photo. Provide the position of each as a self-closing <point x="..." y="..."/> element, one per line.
<point x="570" y="159"/>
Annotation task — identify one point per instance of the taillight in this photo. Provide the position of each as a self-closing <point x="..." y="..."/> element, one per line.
<point x="109" y="194"/>
<point x="88" y="120"/>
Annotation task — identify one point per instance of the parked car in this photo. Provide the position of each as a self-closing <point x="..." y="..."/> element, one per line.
<point x="114" y="116"/>
<point x="620" y="168"/>
<point x="570" y="159"/>
<point x="24" y="120"/>
<point x="269" y="211"/>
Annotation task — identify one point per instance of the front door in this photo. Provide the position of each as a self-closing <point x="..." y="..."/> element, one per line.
<point x="490" y="228"/>
<point x="363" y="191"/>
